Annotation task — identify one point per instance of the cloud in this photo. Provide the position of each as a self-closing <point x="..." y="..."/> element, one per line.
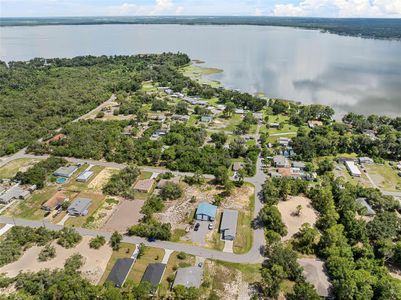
<point x="340" y="8"/>
<point x="258" y="12"/>
<point x="161" y="7"/>
<point x="179" y="10"/>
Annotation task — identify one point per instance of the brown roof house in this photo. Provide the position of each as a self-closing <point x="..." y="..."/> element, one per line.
<point x="143" y="185"/>
<point x="56" y="200"/>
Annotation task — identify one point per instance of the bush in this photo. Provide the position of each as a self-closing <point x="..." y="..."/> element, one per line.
<point x="47" y="253"/>
<point x="115" y="240"/>
<point x="97" y="242"/>
<point x="68" y="238"/>
<point x="73" y="263"/>
<point x="151" y="230"/>
<point x="181" y="255"/>
<point x="120" y="184"/>
<point x="100" y="115"/>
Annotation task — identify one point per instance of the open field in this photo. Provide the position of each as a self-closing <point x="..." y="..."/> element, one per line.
<point x="127" y="213"/>
<point x="244" y="238"/>
<point x="125" y="250"/>
<point x="101" y="179"/>
<point x="343" y="172"/>
<point x="95" y="261"/>
<point x="293" y="222"/>
<point x="21" y="164"/>
<point x="76" y="186"/>
<point x="384" y="176"/>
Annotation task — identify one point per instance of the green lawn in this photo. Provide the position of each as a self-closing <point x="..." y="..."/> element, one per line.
<point x="31" y="207"/>
<point x="11" y="169"/>
<point x="250" y="272"/>
<point x="125" y="250"/>
<point x="216" y="242"/>
<point x="74" y="186"/>
<point x="384" y="176"/>
<point x="151" y="255"/>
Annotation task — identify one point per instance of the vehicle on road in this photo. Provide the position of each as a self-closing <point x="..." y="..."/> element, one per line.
<point x="151" y="239"/>
<point x="210" y="227"/>
<point x="197" y="225"/>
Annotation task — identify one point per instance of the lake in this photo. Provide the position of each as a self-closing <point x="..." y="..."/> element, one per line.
<point x="348" y="73"/>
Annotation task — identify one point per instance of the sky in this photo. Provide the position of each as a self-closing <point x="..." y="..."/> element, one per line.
<point x="305" y="8"/>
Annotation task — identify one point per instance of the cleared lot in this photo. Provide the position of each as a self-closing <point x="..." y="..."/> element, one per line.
<point x="126" y="215"/>
<point x="293" y="221"/>
<point x="315" y="274"/>
<point x="93" y="268"/>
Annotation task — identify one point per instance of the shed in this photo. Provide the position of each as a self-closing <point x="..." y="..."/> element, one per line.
<point x="120" y="271"/>
<point x="369" y="209"/>
<point x="189" y="277"/>
<point x="84" y="176"/>
<point x="154" y="273"/>
<point x="353" y="169"/>
<point x="144" y="185"/>
<point x="206" y="212"/>
<point x="66" y="172"/>
<point x="228" y="226"/>
<point x="79" y="207"/>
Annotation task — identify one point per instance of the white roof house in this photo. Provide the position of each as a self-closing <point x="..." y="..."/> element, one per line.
<point x="352" y="169"/>
<point x="84" y="176"/>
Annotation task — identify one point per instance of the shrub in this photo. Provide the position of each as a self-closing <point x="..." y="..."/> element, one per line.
<point x="171" y="191"/>
<point x="47" y="253"/>
<point x="97" y="242"/>
<point x="181" y="255"/>
<point x="73" y="263"/>
<point x="68" y="237"/>
<point x="115" y="240"/>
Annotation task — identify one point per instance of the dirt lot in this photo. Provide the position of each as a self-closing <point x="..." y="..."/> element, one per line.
<point x="293" y="222"/>
<point x="104" y="212"/>
<point x="314" y="273"/>
<point x="126" y="214"/>
<point x="93" y="268"/>
<point x="102" y="178"/>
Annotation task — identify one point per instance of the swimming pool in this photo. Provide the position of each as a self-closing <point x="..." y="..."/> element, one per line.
<point x="61" y="180"/>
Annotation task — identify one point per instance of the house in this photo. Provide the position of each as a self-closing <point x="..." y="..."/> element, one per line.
<point x="314" y="123"/>
<point x="353" y="169"/>
<point x="228" y="225"/>
<point x="159" y="133"/>
<point x="66" y="172"/>
<point x="283" y="141"/>
<point x="365" y="160"/>
<point x="342" y="160"/>
<point x="168" y="91"/>
<point x="201" y="103"/>
<point x="180" y="117"/>
<point x="189" y="277"/>
<point x="79" y="207"/>
<point x="274" y="125"/>
<point x="154" y="273"/>
<point x="143" y="185"/>
<point x="54" y="202"/>
<point x="275" y="174"/>
<point x="239" y="111"/>
<point x="161" y="118"/>
<point x="221" y="107"/>
<point x="120" y="271"/>
<point x="206" y="212"/>
<point x="369" y="210"/>
<point x="237" y="166"/>
<point x="298" y="165"/>
<point x="15" y="192"/>
<point x="281" y="161"/>
<point x="206" y="119"/>
<point x="370" y="133"/>
<point x="84" y="176"/>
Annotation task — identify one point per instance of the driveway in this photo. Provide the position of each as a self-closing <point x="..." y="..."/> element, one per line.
<point x="198" y="237"/>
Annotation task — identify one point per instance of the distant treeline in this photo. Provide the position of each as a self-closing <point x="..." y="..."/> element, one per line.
<point x="366" y="28"/>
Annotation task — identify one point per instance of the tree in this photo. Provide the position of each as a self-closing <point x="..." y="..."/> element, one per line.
<point x="183" y="293"/>
<point x="181" y="108"/>
<point x="306" y="239"/>
<point x="97" y="242"/>
<point x="221" y="175"/>
<point x="115" y="240"/>
<point x="68" y="237"/>
<point x="171" y="191"/>
<point x="270" y="217"/>
<point x="325" y="166"/>
<point x="303" y="291"/>
<point x="272" y="278"/>
<point x="219" y="139"/>
<point x="229" y="110"/>
<point x="141" y="250"/>
<point x="47" y="253"/>
<point x="298" y="210"/>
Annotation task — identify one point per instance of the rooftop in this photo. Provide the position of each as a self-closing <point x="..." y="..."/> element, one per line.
<point x="120" y="271"/>
<point x="189" y="277"/>
<point x="154" y="273"/>
<point x="143" y="185"/>
<point x="207" y="209"/>
<point x="79" y="205"/>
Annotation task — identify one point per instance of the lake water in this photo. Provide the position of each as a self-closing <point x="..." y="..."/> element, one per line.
<point x="349" y="73"/>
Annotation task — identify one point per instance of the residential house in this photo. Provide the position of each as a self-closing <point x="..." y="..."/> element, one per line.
<point x="314" y="123"/>
<point x="54" y="202"/>
<point x="206" y="119"/>
<point x="238" y="166"/>
<point x="239" y="111"/>
<point x="283" y="141"/>
<point x="79" y="207"/>
<point x="228" y="225"/>
<point x="84" y="176"/>
<point x="299" y="165"/>
<point x="154" y="273"/>
<point x="66" y="172"/>
<point x="206" y="212"/>
<point x="163" y="182"/>
<point x="120" y="271"/>
<point x="183" y="118"/>
<point x="144" y="185"/>
<point x="281" y="161"/>
<point x="258" y="116"/>
<point x="14" y="192"/>
<point x="189" y="277"/>
<point x="365" y="160"/>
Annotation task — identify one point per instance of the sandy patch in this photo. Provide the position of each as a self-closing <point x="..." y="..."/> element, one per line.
<point x="102" y="178"/>
<point x="125" y="215"/>
<point x="293" y="222"/>
<point x="315" y="274"/>
<point x="103" y="214"/>
<point x="93" y="268"/>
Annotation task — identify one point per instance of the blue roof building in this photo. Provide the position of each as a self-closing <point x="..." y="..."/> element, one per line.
<point x="206" y="212"/>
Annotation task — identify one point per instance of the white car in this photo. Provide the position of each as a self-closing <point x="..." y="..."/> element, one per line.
<point x="210" y="226"/>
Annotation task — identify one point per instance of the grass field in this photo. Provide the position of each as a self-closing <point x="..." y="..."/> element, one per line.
<point x="11" y="169"/>
<point x="151" y="255"/>
<point x="125" y="250"/>
<point x="74" y="186"/>
<point x="384" y="177"/>
<point x="31" y="207"/>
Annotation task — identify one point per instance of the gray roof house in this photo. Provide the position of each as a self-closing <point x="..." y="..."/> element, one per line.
<point x="79" y="207"/>
<point x="154" y="273"/>
<point x="65" y="171"/>
<point x="298" y="164"/>
<point x="120" y="271"/>
<point x="189" y="277"/>
<point x="206" y="119"/>
<point x="281" y="161"/>
<point x="228" y="226"/>
<point x="15" y="192"/>
<point x="369" y="210"/>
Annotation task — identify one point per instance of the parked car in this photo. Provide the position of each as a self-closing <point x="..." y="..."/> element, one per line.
<point x="151" y="239"/>
<point x="197" y="225"/>
<point x="200" y="265"/>
<point x="210" y="226"/>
